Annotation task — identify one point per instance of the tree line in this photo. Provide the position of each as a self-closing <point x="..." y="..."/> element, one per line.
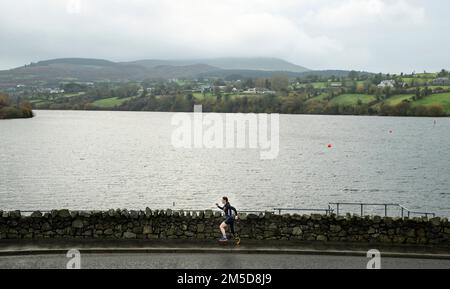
<point x="276" y="104"/>
<point x="10" y="109"/>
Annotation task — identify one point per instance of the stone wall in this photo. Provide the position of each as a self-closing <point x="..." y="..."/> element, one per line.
<point x="148" y="224"/>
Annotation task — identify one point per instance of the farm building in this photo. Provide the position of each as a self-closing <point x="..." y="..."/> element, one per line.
<point x="441" y="81"/>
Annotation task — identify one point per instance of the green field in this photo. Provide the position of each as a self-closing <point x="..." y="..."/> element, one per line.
<point x="321" y="97"/>
<point x="397" y="99"/>
<point x="37" y="100"/>
<point x="430" y="75"/>
<point x="352" y="99"/>
<point x="434" y="87"/>
<point x="436" y="99"/>
<point x="316" y="85"/>
<point x="201" y="96"/>
<point x="416" y="80"/>
<point x="73" y="94"/>
<point x="211" y="96"/>
<point x="37" y="103"/>
<point x="110" y="102"/>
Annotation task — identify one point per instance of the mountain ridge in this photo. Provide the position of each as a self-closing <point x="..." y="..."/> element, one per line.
<point x="229" y="63"/>
<point x="54" y="71"/>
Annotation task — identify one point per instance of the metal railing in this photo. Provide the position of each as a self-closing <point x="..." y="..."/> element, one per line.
<point x="409" y="212"/>
<point x="386" y="207"/>
<point x="328" y="211"/>
<point x="335" y="207"/>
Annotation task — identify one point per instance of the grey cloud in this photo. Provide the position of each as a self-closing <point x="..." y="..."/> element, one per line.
<point x="374" y="35"/>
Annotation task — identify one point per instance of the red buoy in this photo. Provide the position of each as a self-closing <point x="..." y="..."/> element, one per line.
<point x="330" y="146"/>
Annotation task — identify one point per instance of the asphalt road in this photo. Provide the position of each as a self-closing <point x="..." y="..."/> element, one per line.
<point x="213" y="261"/>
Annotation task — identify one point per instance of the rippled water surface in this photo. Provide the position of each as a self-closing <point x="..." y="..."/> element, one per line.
<point x="102" y="160"/>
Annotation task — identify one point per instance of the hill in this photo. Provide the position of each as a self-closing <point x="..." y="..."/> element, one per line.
<point x="53" y="72"/>
<point x="186" y="71"/>
<point x="258" y="64"/>
<point x="71" y="69"/>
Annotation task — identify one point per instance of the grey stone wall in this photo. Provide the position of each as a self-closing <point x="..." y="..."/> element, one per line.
<point x="163" y="225"/>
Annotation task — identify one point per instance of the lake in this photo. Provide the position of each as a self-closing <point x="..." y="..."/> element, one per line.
<point x="102" y="160"/>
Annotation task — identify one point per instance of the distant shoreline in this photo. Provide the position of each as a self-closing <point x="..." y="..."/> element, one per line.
<point x="207" y="112"/>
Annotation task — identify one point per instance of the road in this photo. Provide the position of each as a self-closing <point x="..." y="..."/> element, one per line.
<point x="213" y="261"/>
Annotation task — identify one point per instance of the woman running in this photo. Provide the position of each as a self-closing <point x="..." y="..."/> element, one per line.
<point x="229" y="219"/>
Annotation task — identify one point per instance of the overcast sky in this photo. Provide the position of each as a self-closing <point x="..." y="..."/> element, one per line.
<point x="372" y="35"/>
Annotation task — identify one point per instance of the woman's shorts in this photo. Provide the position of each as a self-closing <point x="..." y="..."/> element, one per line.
<point x="229" y="221"/>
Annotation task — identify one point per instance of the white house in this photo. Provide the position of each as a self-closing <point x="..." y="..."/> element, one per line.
<point x="387" y="83"/>
<point x="251" y="91"/>
<point x="55" y="90"/>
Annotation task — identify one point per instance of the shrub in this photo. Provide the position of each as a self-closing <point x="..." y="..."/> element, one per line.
<point x="436" y="110"/>
<point x="4" y="100"/>
<point x="7" y="111"/>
